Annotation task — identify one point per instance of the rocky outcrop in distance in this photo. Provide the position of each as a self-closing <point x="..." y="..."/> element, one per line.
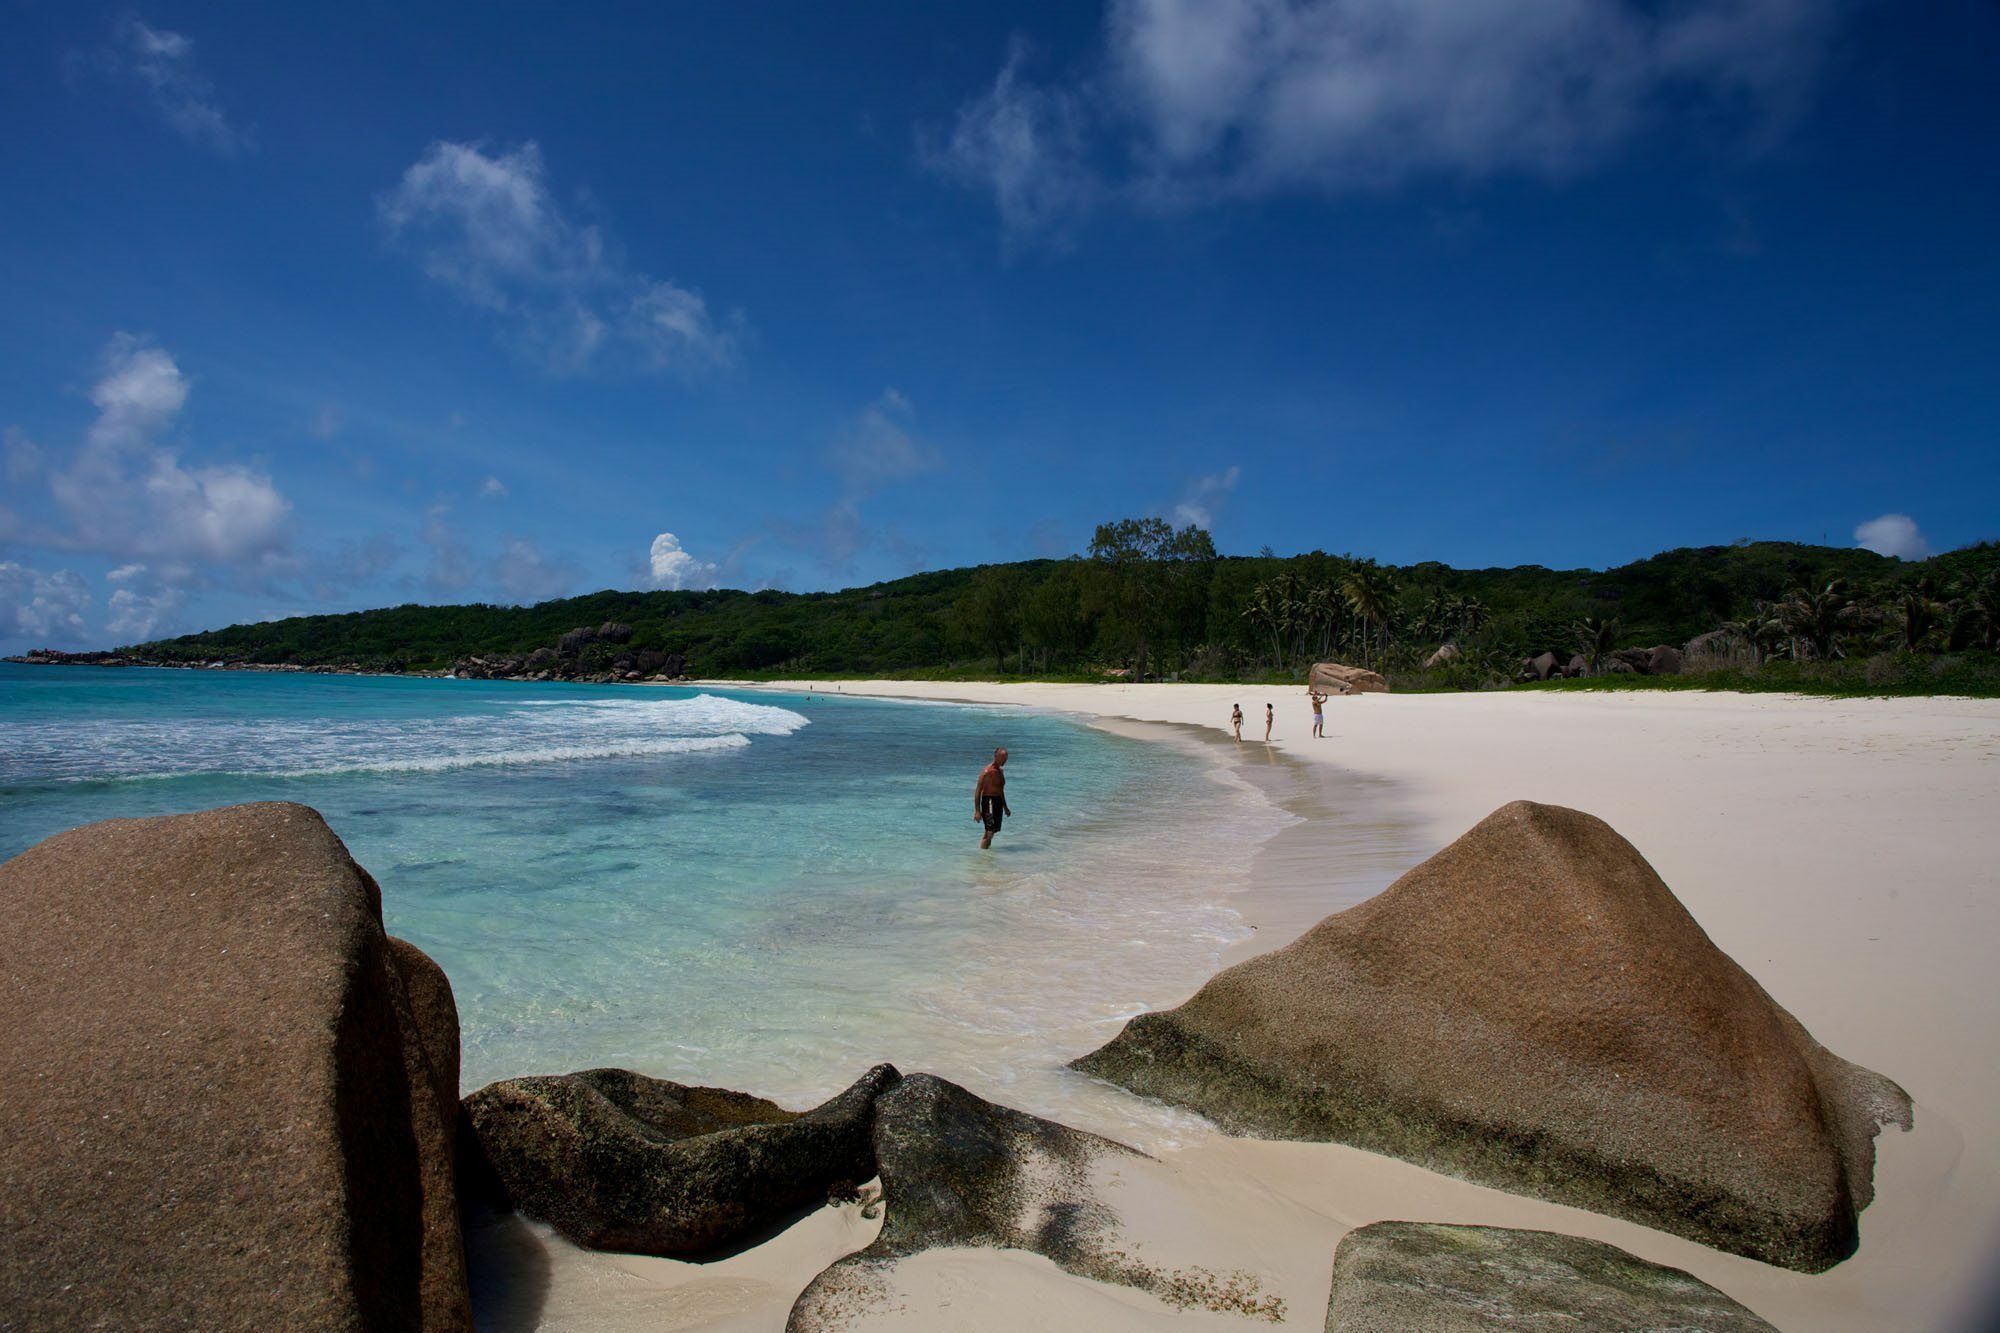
<point x="1393" y="1277"/>
<point x="582" y="654"/>
<point x="618" y="1161"/>
<point x="230" y="1096"/>
<point x="1532" y="1009"/>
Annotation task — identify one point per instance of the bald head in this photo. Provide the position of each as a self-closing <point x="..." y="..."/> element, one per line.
<point x="1000" y="756"/>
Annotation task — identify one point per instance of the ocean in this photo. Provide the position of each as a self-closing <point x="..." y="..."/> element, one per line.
<point x="763" y="891"/>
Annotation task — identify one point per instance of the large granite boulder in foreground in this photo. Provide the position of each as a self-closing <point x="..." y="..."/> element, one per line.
<point x="1394" y="1277"/>
<point x="618" y="1161"/>
<point x="1531" y="1008"/>
<point x="226" y="1096"/>
<point x="960" y="1171"/>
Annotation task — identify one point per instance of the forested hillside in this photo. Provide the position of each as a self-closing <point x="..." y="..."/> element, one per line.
<point x="1151" y="600"/>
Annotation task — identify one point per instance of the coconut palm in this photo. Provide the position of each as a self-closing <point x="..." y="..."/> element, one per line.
<point x="1819" y="617"/>
<point x="1595" y="637"/>
<point x="1916" y="614"/>
<point x="1976" y="612"/>
<point x="1369" y="590"/>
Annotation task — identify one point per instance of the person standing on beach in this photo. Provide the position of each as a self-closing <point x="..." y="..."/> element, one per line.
<point x="989" y="797"/>
<point x="1236" y="720"/>
<point x="1270" y="716"/>
<point x="1319" y="717"/>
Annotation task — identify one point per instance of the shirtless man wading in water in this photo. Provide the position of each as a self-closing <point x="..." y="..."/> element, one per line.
<point x="989" y="797"/>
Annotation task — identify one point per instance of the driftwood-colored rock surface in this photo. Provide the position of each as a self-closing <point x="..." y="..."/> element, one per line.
<point x="1395" y="1277"/>
<point x="228" y="1095"/>
<point x="1533" y="1009"/>
<point x="618" y="1161"/>
<point x="1339" y="678"/>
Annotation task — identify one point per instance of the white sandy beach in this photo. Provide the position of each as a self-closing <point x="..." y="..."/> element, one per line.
<point x="1843" y="852"/>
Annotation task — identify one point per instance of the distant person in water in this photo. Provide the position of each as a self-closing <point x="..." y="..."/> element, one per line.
<point x="1270" y="716"/>
<point x="1319" y="715"/>
<point x="989" y="797"/>
<point x="1236" y="720"/>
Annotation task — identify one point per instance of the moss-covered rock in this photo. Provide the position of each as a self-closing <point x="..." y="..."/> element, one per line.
<point x="1395" y="1277"/>
<point x="618" y="1161"/>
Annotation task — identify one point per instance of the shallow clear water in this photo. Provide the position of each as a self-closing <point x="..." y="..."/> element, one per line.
<point x="768" y="892"/>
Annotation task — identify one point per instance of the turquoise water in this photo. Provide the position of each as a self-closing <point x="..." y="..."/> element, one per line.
<point x="763" y="891"/>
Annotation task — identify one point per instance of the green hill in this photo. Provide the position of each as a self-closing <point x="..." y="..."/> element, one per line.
<point x="1157" y="601"/>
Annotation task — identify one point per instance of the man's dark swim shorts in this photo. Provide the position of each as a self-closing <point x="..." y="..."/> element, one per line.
<point x="990" y="808"/>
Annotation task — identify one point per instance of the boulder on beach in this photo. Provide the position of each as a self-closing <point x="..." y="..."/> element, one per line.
<point x="962" y="1172"/>
<point x="1578" y="666"/>
<point x="229" y="1094"/>
<point x="618" y="1161"/>
<point x="1396" y="1276"/>
<point x="1445" y="655"/>
<point x="1541" y="666"/>
<point x="1532" y="1009"/>
<point x="1664" y="660"/>
<point x="1338" y="678"/>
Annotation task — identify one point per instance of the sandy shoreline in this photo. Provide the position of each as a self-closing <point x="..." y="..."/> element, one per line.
<point x="1841" y="851"/>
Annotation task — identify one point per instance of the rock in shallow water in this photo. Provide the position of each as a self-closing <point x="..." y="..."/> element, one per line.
<point x="228" y="1094"/>
<point x="1533" y="1009"/>
<point x="1396" y="1277"/>
<point x="618" y="1161"/>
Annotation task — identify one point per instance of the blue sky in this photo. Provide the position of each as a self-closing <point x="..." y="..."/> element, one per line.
<point x="319" y="307"/>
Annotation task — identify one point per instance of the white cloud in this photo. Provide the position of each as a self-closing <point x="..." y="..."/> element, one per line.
<point x="487" y="227"/>
<point x="44" y="607"/>
<point x="1200" y="100"/>
<point x="20" y="458"/>
<point x="493" y="489"/>
<point x="1206" y="496"/>
<point x="1024" y="144"/>
<point x="141" y="605"/>
<point x="880" y="446"/>
<point x="127" y="494"/>
<point x="674" y="567"/>
<point x="527" y="575"/>
<point x="162" y="65"/>
<point x="451" y="567"/>
<point x="1893" y="534"/>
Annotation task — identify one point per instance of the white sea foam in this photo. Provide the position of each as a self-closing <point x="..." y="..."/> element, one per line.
<point x="510" y="733"/>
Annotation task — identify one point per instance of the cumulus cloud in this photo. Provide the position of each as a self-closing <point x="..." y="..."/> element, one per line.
<point x="881" y="446"/>
<point x="46" y="607"/>
<point x="1205" y="497"/>
<point x="493" y="489"/>
<point x="485" y="226"/>
<point x="127" y="494"/>
<point x="141" y="603"/>
<point x="672" y="566"/>
<point x="161" y="65"/>
<point x="1893" y="534"/>
<point x="1197" y="100"/>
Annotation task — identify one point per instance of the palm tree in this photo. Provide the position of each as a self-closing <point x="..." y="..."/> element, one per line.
<point x="1977" y="613"/>
<point x="1368" y="590"/>
<point x="1917" y="615"/>
<point x="1819" y="617"/>
<point x="1261" y="611"/>
<point x="1596" y="636"/>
